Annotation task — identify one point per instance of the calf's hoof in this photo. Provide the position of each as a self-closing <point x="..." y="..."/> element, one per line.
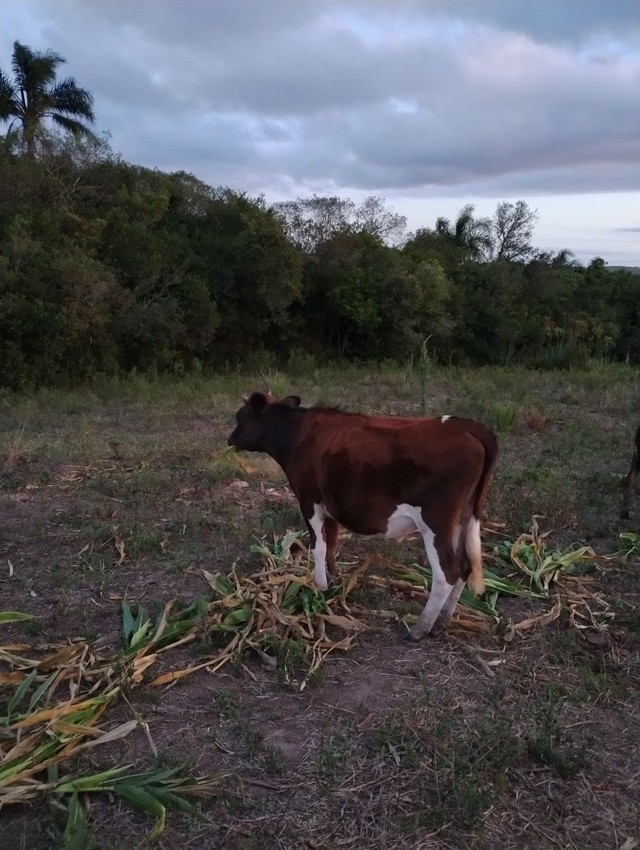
<point x="410" y="637"/>
<point x="435" y="633"/>
<point x="404" y="632"/>
<point x="412" y="634"/>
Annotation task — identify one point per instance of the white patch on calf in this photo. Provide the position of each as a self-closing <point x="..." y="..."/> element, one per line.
<point x="320" y="549"/>
<point x="404" y="520"/>
<point x="444" y="418"/>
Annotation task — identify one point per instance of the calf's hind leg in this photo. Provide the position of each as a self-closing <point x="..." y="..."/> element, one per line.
<point x="446" y="613"/>
<point x="323" y="535"/>
<point x="331" y="530"/>
<point x="443" y="595"/>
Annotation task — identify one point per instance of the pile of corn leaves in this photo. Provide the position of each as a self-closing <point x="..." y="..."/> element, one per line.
<point x="57" y="711"/>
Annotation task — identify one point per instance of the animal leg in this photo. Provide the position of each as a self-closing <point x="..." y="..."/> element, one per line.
<point x="628" y="485"/>
<point x="446" y="613"/>
<point x="331" y="531"/>
<point x="441" y="588"/>
<point x="319" y="547"/>
<point x="630" y="478"/>
<point x="471" y="555"/>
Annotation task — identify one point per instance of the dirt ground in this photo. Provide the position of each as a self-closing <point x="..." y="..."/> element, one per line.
<point x="463" y="741"/>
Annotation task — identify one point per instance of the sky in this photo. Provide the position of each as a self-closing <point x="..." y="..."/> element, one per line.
<point x="428" y="104"/>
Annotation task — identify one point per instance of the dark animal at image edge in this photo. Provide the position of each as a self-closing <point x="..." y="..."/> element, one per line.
<point x="389" y="476"/>
<point x="629" y="480"/>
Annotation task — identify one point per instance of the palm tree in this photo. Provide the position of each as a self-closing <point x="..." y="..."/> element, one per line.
<point x="34" y="94"/>
<point x="471" y="235"/>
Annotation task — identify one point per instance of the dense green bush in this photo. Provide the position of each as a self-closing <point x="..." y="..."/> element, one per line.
<point x="107" y="267"/>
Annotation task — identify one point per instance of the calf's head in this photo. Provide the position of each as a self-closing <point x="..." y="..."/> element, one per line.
<point x="257" y="419"/>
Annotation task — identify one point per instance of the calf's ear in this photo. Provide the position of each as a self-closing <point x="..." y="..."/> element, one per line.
<point x="258" y="402"/>
<point x="291" y="401"/>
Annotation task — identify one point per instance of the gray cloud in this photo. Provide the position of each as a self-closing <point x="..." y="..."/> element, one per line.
<point x="571" y="21"/>
<point x="279" y="96"/>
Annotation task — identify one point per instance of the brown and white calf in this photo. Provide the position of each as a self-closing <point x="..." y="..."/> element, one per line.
<point x="630" y="478"/>
<point x="389" y="476"/>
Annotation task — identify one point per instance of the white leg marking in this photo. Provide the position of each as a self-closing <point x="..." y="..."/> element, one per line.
<point x="440" y="589"/>
<point x="450" y="606"/>
<point x="320" y="549"/>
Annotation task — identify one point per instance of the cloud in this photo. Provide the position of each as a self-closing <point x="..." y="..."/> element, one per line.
<point x="544" y="20"/>
<point x="483" y="99"/>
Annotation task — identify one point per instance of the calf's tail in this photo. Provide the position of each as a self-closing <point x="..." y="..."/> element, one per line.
<point x="472" y="542"/>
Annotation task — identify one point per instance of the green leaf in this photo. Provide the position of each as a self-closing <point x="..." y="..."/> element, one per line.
<point x="134" y="629"/>
<point x="76" y="831"/>
<point x="37" y="694"/>
<point x="14" y="616"/>
<point x="632" y="543"/>
<point x="96" y="782"/>
<point x="172" y="801"/>
<point x="20" y="691"/>
<point x="139" y="635"/>
<point x="144" y="800"/>
<point x="290" y="594"/>
<point x="128" y="622"/>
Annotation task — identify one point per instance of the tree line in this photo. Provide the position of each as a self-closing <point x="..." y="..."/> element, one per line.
<point x="106" y="266"/>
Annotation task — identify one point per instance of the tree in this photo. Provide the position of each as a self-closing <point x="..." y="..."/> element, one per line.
<point x="253" y="274"/>
<point x="372" y="216"/>
<point x="34" y="95"/>
<point x="468" y="239"/>
<point x="562" y="259"/>
<point x="471" y="235"/>
<point x="512" y="229"/>
<point x="364" y="299"/>
<point x="309" y="222"/>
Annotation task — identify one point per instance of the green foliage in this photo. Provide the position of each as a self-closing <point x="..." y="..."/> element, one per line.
<point x="503" y="416"/>
<point x="107" y="267"/>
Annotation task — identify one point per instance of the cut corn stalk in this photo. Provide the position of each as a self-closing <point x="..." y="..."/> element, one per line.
<point x="153" y="791"/>
<point x="631" y="542"/>
<point x="543" y="566"/>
